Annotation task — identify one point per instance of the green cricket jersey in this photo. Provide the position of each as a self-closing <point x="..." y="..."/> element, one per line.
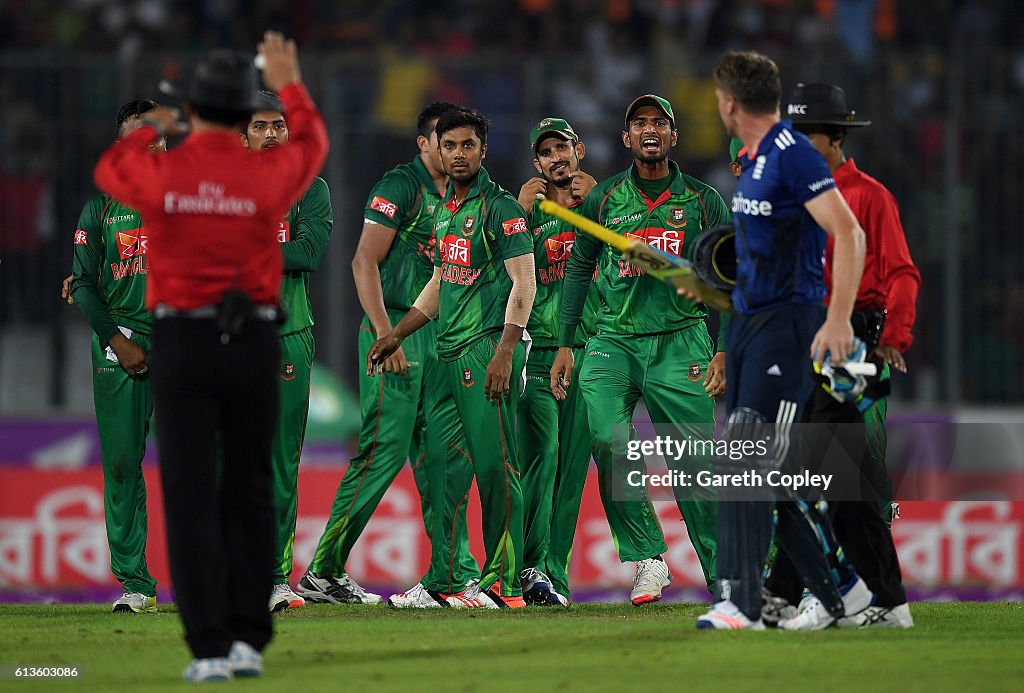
<point x="404" y="200"/>
<point x="553" y="240"/>
<point x="631" y="303"/>
<point x="303" y="235"/>
<point x="475" y="238"/>
<point x="109" y="269"/>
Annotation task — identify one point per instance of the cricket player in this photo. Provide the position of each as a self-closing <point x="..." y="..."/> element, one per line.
<point x="554" y="436"/>
<point x="784" y="204"/>
<point x="481" y="293"/>
<point x="392" y="263"/>
<point x="650" y="342"/>
<point x="303" y="235"/>
<point x="108" y="284"/>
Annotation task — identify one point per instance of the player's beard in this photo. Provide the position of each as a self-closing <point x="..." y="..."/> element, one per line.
<point x="645" y="158"/>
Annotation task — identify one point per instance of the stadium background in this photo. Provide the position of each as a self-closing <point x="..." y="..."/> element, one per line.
<point x="943" y="82"/>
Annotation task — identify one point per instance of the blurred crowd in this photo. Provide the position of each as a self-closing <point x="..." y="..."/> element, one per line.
<point x="943" y="81"/>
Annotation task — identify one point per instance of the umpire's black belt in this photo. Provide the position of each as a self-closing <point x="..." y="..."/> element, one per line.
<point x="259" y="312"/>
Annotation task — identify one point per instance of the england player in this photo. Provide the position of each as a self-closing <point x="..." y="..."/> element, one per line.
<point x="785" y="203"/>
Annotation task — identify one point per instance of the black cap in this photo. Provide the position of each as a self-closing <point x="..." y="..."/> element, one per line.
<point x="223" y="79"/>
<point x="821" y="104"/>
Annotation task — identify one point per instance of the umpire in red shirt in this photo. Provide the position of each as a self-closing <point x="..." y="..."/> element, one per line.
<point x="214" y="274"/>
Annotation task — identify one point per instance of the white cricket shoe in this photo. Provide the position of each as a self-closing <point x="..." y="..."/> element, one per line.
<point x="282" y="597"/>
<point x="244" y="660"/>
<point x="652" y="576"/>
<point x="537" y="588"/>
<point x="208" y="669"/>
<point x="813" y="615"/>
<point x="419" y="597"/>
<point x="725" y="615"/>
<point x="880" y="617"/>
<point x="475" y="598"/>
<point x="135" y="603"/>
<point x="331" y="590"/>
<point x="775" y="609"/>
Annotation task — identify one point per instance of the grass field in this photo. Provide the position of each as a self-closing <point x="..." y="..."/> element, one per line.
<point x="964" y="647"/>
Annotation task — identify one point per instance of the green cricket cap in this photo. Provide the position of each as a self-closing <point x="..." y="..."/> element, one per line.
<point x="651" y="100"/>
<point x="552" y="126"/>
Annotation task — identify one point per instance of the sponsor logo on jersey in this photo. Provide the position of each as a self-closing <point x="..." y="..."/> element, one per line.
<point x="665" y="240"/>
<point x="467" y="226"/>
<point x="284" y="232"/>
<point x="81" y="237"/>
<point x="209" y="199"/>
<point x="129" y="244"/>
<point x="540" y="229"/>
<point x="455" y="250"/>
<point x="120" y="218"/>
<point x="754" y="208"/>
<point x="287" y="371"/>
<point x="676" y="217"/>
<point x="385" y="207"/>
<point x="514" y="226"/>
<point x="626" y="219"/>
<point x="467" y="378"/>
<point x="558" y="247"/>
<point x="693" y="372"/>
<point x="819" y="184"/>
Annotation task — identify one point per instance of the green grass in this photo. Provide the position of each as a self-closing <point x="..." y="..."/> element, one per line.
<point x="965" y="647"/>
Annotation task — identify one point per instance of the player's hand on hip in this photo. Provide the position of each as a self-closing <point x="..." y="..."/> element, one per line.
<point x="891" y="356"/>
<point x="532" y="190"/>
<point x="835" y="337"/>
<point x="396" y="363"/>
<point x="381" y="350"/>
<point x="280" y="59"/>
<point x="65" y="290"/>
<point x="130" y="355"/>
<point x="499" y="373"/>
<point x="582" y="184"/>
<point x="561" y="373"/>
<point x="714" y="380"/>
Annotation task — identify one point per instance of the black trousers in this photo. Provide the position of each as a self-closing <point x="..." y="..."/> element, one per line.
<point x="218" y="407"/>
<point x="836" y="442"/>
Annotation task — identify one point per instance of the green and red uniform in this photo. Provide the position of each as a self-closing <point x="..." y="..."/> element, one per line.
<point x="650" y="343"/>
<point x="394" y="407"/>
<point x="303" y="235"/>
<point x="109" y="287"/>
<point x="472" y="434"/>
<point x="554" y="437"/>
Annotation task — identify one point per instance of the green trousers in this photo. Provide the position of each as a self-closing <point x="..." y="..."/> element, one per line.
<point x="668" y="371"/>
<point x="476" y="437"/>
<point x="124" y="409"/>
<point x="554" y="453"/>
<point x="293" y="382"/>
<point x="394" y="414"/>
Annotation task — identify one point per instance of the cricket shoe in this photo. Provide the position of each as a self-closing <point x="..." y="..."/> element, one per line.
<point x="725" y="615"/>
<point x="419" y="597"/>
<point x="476" y="598"/>
<point x="244" y="660"/>
<point x="135" y="603"/>
<point x="814" y="616"/>
<point x="537" y="588"/>
<point x="880" y="617"/>
<point x="775" y="609"/>
<point x="325" y="589"/>
<point x="282" y="597"/>
<point x="652" y="576"/>
<point x="208" y="669"/>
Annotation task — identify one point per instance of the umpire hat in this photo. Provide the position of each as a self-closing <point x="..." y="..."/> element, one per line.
<point x="821" y="104"/>
<point x="224" y="79"/>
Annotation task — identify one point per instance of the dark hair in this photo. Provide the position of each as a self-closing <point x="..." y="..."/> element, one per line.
<point x="278" y="106"/>
<point x="223" y="116"/>
<point x="463" y="117"/>
<point x="432" y="113"/>
<point x="832" y="132"/>
<point x="132" y="109"/>
<point x="752" y="79"/>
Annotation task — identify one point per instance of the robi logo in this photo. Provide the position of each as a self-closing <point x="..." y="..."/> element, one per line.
<point x="558" y="247"/>
<point x="129" y="245"/>
<point x="284" y="232"/>
<point x="455" y="250"/>
<point x="514" y="226"/>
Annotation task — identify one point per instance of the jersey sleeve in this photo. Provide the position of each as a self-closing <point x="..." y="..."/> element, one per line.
<point x="901" y="278"/>
<point x="391" y="200"/>
<point x="507" y="221"/>
<point x="313" y="223"/>
<point x="86" y="269"/>
<point x="804" y="172"/>
<point x="579" y="272"/>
